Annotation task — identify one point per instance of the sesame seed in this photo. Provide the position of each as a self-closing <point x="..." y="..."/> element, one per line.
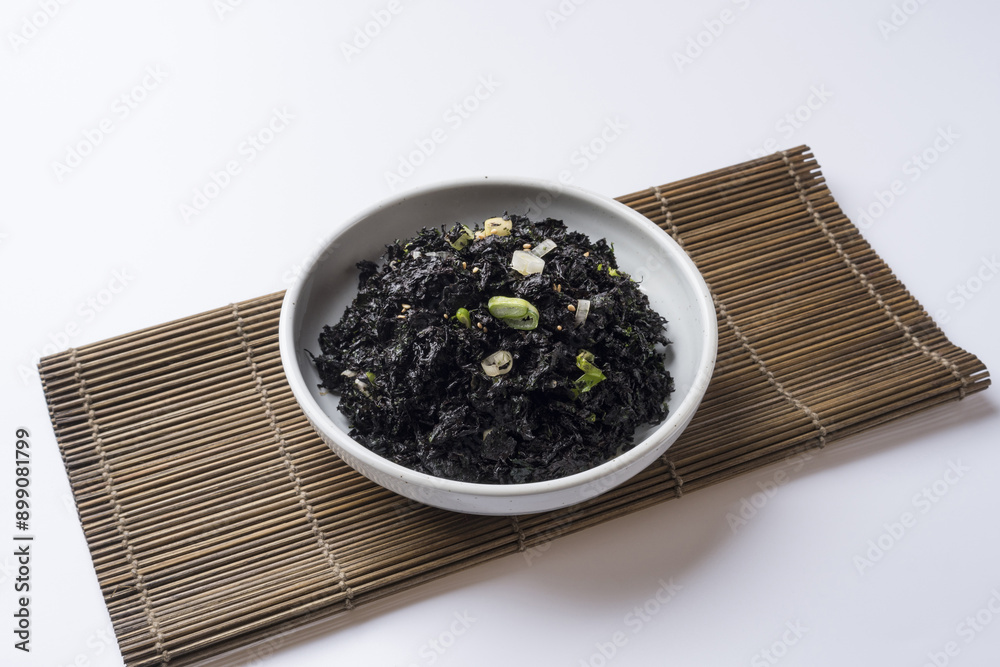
<point x="475" y="269"/>
<point x="479" y="324"/>
<point x="571" y="308"/>
<point x="407" y="306"/>
<point x="527" y="246"/>
<point x="464" y="265"/>
<point x="586" y="254"/>
<point x="558" y="327"/>
<point x="400" y="317"/>
<point x="445" y="315"/>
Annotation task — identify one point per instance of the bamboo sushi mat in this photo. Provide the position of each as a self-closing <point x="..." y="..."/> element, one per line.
<point x="217" y="518"/>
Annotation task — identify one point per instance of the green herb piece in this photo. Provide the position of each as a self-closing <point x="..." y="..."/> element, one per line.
<point x="463" y="239"/>
<point x="591" y="373"/>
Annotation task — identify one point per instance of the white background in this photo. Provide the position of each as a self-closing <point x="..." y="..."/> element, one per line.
<point x="883" y="84"/>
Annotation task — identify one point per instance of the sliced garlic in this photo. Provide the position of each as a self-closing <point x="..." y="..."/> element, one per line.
<point x="543" y="248"/>
<point x="582" y="311"/>
<point x="497" y="226"/>
<point x="526" y="264"/>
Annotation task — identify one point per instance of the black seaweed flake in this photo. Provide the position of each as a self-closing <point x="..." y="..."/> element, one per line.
<point x="411" y="382"/>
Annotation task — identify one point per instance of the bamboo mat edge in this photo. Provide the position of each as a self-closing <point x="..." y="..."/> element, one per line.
<point x="973" y="377"/>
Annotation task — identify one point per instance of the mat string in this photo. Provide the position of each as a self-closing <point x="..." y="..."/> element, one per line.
<point x="293" y="473"/>
<point x="674" y="475"/>
<point x="740" y="336"/>
<point x="520" y="533"/>
<point x="907" y="331"/>
<point x="133" y="563"/>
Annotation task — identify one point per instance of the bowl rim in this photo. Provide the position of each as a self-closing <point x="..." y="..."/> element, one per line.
<point x="678" y="416"/>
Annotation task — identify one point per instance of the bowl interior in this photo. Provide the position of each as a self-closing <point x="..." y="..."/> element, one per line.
<point x="665" y="274"/>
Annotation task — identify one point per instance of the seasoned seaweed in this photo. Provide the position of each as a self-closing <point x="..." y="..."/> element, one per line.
<point x="418" y="357"/>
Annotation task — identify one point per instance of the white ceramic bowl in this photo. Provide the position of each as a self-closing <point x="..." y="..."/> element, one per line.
<point x="675" y="288"/>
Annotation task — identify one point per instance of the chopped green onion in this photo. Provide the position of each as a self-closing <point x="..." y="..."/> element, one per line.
<point x="591" y="373"/>
<point x="463" y="316"/>
<point x="515" y="313"/>
<point x="371" y="377"/>
<point x="463" y="238"/>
